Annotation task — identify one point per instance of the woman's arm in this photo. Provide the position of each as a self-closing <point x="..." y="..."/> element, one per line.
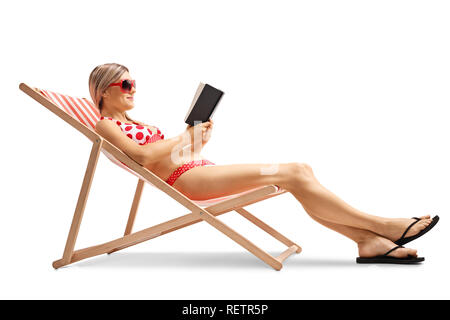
<point x="142" y="154"/>
<point x="162" y="148"/>
<point x="154" y="151"/>
<point x="148" y="153"/>
<point x="204" y="134"/>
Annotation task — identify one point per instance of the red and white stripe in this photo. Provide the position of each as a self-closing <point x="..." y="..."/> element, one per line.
<point x="79" y="108"/>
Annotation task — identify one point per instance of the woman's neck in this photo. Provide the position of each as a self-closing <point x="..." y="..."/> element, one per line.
<point x="115" y="115"/>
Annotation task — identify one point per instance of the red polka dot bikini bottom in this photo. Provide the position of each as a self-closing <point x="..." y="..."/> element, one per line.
<point x="185" y="167"/>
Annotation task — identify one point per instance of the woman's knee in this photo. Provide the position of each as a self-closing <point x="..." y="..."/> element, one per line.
<point x="300" y="169"/>
<point x="301" y="173"/>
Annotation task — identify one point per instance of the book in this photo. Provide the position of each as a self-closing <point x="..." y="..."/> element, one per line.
<point x="205" y="102"/>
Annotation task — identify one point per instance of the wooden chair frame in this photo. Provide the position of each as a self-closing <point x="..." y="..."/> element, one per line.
<point x="197" y="213"/>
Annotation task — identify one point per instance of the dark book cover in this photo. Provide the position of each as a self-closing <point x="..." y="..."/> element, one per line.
<point x="204" y="104"/>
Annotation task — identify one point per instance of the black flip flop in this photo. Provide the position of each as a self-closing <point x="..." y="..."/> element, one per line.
<point x="389" y="259"/>
<point x="404" y="240"/>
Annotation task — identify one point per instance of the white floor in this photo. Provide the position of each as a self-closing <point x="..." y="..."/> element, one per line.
<point x="182" y="266"/>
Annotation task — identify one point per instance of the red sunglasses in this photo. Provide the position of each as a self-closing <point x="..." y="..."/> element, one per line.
<point x="125" y="85"/>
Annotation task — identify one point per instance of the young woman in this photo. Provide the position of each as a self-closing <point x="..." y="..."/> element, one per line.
<point x="379" y="239"/>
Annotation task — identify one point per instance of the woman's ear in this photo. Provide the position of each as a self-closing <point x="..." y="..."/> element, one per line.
<point x="105" y="93"/>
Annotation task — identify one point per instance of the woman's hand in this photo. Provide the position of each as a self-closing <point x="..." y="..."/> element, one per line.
<point x="198" y="135"/>
<point x="206" y="134"/>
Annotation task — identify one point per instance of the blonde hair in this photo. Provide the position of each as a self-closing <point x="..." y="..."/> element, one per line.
<point x="99" y="80"/>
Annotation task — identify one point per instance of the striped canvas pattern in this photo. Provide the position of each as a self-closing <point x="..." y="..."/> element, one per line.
<point x="81" y="109"/>
<point x="85" y="112"/>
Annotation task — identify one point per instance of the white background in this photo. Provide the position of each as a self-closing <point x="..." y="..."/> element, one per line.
<point x="357" y="89"/>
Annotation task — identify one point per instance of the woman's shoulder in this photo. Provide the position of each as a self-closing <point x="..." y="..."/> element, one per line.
<point x="106" y="124"/>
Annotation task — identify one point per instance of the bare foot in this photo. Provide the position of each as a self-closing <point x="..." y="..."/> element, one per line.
<point x="377" y="246"/>
<point x="395" y="227"/>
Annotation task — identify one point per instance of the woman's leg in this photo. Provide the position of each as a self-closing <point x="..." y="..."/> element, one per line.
<point x="328" y="207"/>
<point x="369" y="244"/>
<point x="206" y="182"/>
<point x="215" y="181"/>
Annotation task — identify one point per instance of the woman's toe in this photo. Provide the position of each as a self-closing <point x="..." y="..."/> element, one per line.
<point x="422" y="224"/>
<point x="404" y="253"/>
<point x="411" y="252"/>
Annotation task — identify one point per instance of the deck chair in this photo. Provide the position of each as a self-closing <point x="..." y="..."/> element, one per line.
<point x="81" y="114"/>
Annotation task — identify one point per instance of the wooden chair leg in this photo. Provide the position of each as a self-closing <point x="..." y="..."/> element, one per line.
<point x="274" y="233"/>
<point x="133" y="211"/>
<point x="285" y="254"/>
<point x="130" y="239"/>
<point x="134" y="207"/>
<point x="244" y="242"/>
<point x="175" y="224"/>
<point x="81" y="204"/>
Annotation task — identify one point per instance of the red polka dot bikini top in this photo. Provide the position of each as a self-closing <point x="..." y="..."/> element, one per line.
<point x="137" y="132"/>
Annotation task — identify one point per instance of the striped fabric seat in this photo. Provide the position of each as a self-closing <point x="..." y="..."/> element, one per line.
<point x="80" y="109"/>
<point x="87" y="113"/>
